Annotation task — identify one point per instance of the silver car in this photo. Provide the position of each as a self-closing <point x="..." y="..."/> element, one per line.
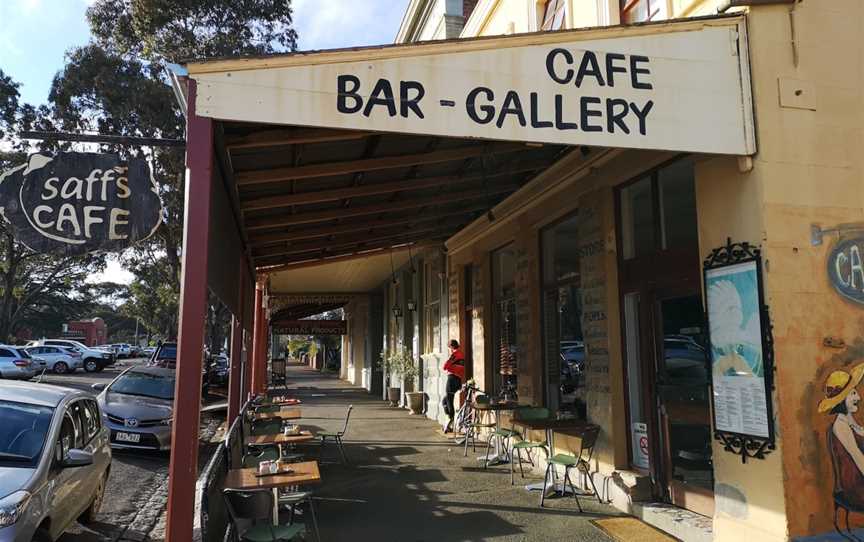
<point x="16" y="363"/>
<point x="54" y="460"/>
<point x="57" y="359"/>
<point x="138" y="407"/>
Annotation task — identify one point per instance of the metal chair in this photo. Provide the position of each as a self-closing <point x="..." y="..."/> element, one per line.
<point x="257" y="455"/>
<point x="337" y="437"/>
<point x="252" y="515"/>
<point x="270" y="426"/>
<point x="479" y="422"/>
<point x="292" y="500"/>
<point x="526" y="414"/>
<point x="579" y="462"/>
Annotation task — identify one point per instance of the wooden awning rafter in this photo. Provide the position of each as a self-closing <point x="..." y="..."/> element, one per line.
<point x="318" y="194"/>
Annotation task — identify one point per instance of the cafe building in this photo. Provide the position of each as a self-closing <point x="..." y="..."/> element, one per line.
<point x="646" y="215"/>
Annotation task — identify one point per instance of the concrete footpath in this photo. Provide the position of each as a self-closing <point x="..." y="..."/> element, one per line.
<point x="407" y="482"/>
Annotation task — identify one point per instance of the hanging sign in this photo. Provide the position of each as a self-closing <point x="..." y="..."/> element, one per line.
<point x="741" y="350"/>
<point x="846" y="268"/>
<point x="310" y="327"/>
<point x="77" y="203"/>
<point x="679" y="87"/>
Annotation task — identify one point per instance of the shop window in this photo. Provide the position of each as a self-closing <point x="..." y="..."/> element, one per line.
<point x="553" y="15"/>
<point x="663" y="222"/>
<point x="677" y="205"/>
<point x="504" y="324"/>
<point x="431" y="308"/>
<point x="637" y="219"/>
<point x="640" y="11"/>
<point x="564" y="346"/>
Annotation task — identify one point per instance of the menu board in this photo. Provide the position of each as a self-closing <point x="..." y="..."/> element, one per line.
<point x="733" y="299"/>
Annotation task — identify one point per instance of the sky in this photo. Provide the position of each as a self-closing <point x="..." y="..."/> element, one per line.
<point x="35" y="35"/>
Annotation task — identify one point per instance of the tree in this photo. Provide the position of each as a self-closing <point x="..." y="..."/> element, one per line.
<point x="176" y="31"/>
<point x="118" y="85"/>
<point x="37" y="290"/>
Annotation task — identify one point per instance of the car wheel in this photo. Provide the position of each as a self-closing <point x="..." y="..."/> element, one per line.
<point x="91" y="365"/>
<point x="61" y="368"/>
<point x="89" y="515"/>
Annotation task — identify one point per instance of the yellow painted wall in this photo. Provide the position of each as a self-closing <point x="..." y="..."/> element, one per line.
<point x="810" y="169"/>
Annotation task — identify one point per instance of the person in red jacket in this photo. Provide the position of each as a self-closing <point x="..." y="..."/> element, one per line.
<point x="455" y="369"/>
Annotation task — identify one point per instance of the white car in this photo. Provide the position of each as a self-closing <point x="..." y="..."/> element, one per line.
<point x="16" y="363"/>
<point x="58" y="359"/>
<point x="94" y="360"/>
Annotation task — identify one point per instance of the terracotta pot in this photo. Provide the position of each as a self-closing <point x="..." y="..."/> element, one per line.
<point x="393" y="396"/>
<point x="415" y="401"/>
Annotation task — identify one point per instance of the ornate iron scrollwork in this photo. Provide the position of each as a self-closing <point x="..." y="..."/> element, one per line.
<point x="748" y="446"/>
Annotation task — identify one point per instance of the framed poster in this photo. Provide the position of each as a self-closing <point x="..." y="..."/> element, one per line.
<point x="740" y="350"/>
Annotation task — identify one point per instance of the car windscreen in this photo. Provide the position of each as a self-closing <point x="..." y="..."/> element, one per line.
<point x="144" y="385"/>
<point x="168" y="352"/>
<point x="22" y="433"/>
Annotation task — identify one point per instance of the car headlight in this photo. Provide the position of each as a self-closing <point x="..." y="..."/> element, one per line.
<point x="12" y="507"/>
<point x="106" y="356"/>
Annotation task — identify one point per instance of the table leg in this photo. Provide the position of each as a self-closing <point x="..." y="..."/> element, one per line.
<point x="275" y="506"/>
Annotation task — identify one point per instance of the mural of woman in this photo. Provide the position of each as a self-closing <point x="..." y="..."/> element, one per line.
<point x="846" y="437"/>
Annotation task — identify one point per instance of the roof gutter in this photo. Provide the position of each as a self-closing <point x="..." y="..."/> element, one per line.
<point x="179" y="75"/>
<point x="729" y="4"/>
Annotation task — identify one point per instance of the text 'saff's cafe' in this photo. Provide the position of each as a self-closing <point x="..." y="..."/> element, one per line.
<point x="58" y="210"/>
<point x="564" y="111"/>
<point x="74" y="203"/>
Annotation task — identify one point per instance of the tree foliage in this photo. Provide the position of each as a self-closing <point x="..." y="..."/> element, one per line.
<point x="181" y="30"/>
<point x="38" y="291"/>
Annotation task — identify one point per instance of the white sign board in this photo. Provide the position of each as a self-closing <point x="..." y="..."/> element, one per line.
<point x="686" y="88"/>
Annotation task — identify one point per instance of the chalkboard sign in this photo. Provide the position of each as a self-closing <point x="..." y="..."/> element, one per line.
<point x="77" y="203"/>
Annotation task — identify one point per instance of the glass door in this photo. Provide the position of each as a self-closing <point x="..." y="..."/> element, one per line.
<point x="682" y="387"/>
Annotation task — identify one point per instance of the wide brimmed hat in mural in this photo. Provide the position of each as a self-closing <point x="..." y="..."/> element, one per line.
<point x="838" y="385"/>
<point x="76" y="203"/>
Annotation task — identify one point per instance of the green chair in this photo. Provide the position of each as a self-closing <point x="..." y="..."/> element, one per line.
<point x="252" y="514"/>
<point x="579" y="462"/>
<point x="266" y="409"/>
<point x="527" y="414"/>
<point x="295" y="499"/>
<point x="477" y="425"/>
<point x="257" y="455"/>
<point x="336" y="436"/>
<point x="270" y="426"/>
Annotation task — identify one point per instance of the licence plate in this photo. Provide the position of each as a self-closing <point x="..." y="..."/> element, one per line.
<point x="128" y="437"/>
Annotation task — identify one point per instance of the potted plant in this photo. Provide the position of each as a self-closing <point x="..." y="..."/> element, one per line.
<point x="408" y="372"/>
<point x="392" y="365"/>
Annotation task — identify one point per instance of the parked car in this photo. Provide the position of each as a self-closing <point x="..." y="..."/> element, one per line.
<point x="165" y="356"/>
<point x="54" y="460"/>
<point x="138" y="407"/>
<point x="218" y="370"/>
<point x="94" y="360"/>
<point x="123" y="350"/>
<point x="16" y="363"/>
<point x="58" y="360"/>
<point x="147" y="351"/>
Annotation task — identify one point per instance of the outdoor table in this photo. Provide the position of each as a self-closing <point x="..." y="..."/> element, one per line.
<point x="247" y="479"/>
<point x="571" y="425"/>
<point x="279" y="400"/>
<point x="286" y="413"/>
<point x="280" y="439"/>
<point x="497" y="407"/>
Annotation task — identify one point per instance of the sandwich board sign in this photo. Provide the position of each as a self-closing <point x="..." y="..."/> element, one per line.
<point x="77" y="203"/>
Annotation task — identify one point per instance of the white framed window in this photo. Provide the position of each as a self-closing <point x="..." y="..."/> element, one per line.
<point x="551" y="15"/>
<point x="431" y="307"/>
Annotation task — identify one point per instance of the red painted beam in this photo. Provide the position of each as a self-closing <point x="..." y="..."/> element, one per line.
<point x="258" y="330"/>
<point x="235" y="393"/>
<point x="183" y="467"/>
